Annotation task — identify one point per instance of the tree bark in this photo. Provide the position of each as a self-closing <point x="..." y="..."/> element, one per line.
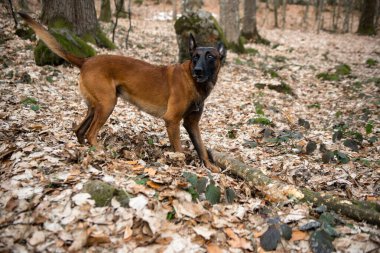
<point x="333" y="25"/>
<point x="275" y="8"/>
<point x="283" y="14"/>
<point x="105" y="11"/>
<point x="174" y="10"/>
<point x="346" y="22"/>
<point x="320" y="15"/>
<point x="81" y="14"/>
<point x="72" y="23"/>
<point x="277" y="191"/>
<point x="306" y="15"/>
<point x="229" y="21"/>
<point x="249" y="30"/>
<point x="367" y="18"/>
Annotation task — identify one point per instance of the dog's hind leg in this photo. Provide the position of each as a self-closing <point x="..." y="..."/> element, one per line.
<point x="81" y="130"/>
<point x="102" y="110"/>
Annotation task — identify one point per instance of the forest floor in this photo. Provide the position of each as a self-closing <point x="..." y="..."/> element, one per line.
<point x="268" y="109"/>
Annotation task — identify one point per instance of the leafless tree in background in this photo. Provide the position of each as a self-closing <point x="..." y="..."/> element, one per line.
<point x="367" y="18"/>
<point x="284" y="3"/>
<point x="229" y="20"/>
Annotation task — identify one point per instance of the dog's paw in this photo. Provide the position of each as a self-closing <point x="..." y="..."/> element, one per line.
<point x="213" y="168"/>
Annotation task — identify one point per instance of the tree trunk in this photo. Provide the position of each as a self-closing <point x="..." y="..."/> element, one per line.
<point x="305" y="16"/>
<point x="72" y="23"/>
<point x="338" y="15"/>
<point x="120" y="9"/>
<point x="283" y="14"/>
<point x="105" y="11"/>
<point x="367" y="18"/>
<point x="81" y="14"/>
<point x="191" y="5"/>
<point x="249" y="30"/>
<point x="229" y="21"/>
<point x="278" y="191"/>
<point x="346" y="22"/>
<point x="377" y="13"/>
<point x="275" y="8"/>
<point x="333" y="25"/>
<point x="320" y="16"/>
<point x="174" y="10"/>
<point x="23" y="5"/>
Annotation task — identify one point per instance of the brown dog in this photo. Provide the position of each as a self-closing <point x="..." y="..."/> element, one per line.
<point x="172" y="92"/>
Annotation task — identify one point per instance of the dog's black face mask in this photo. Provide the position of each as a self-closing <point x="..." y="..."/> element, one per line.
<point x="205" y="61"/>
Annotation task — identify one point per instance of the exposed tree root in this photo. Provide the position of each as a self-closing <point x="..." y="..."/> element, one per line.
<point x="277" y="191"/>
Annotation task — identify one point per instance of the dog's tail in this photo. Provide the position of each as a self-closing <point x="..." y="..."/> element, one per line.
<point x="51" y="42"/>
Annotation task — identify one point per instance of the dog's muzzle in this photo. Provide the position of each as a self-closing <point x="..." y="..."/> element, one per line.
<point x="199" y="76"/>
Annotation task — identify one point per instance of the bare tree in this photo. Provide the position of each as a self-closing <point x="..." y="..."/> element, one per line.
<point x="275" y="8"/>
<point x="306" y="15"/>
<point x="284" y="2"/>
<point x="229" y="20"/>
<point x="105" y="11"/>
<point x="334" y="16"/>
<point x="249" y="30"/>
<point x="81" y="14"/>
<point x="347" y="13"/>
<point x="367" y="18"/>
<point x="320" y="15"/>
<point x="174" y="9"/>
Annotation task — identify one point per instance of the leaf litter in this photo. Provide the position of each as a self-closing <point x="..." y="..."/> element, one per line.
<point x="44" y="170"/>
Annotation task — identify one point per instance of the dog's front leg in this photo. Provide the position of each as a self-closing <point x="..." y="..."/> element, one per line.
<point x="191" y="124"/>
<point x="173" y="129"/>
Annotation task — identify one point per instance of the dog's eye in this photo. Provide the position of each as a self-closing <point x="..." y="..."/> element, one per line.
<point x="210" y="57"/>
<point x="195" y="58"/>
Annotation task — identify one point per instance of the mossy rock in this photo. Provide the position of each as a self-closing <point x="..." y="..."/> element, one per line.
<point x="72" y="43"/>
<point x="103" y="193"/>
<point x="203" y="26"/>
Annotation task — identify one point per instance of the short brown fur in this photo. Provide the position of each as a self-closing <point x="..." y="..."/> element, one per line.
<point x="168" y="92"/>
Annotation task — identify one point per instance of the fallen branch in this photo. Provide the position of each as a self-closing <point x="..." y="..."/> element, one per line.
<point x="277" y="191"/>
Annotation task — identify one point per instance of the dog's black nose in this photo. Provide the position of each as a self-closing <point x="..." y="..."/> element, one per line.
<point x="198" y="71"/>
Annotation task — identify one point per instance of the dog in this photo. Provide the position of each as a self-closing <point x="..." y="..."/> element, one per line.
<point x="172" y="92"/>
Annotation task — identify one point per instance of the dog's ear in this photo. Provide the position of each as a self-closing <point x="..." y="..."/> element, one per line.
<point x="222" y="51"/>
<point x="192" y="44"/>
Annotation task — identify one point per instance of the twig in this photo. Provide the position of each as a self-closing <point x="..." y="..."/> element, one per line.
<point x="19" y="223"/>
<point x="13" y="13"/>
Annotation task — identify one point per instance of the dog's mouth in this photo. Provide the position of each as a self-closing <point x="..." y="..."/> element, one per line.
<point x="201" y="79"/>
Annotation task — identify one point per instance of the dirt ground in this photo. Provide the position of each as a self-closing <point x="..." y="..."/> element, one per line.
<point x="43" y="169"/>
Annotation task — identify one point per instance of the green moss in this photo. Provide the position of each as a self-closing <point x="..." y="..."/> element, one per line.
<point x="252" y="51"/>
<point x="343" y="70"/>
<point x="69" y="41"/>
<point x="103" y="193"/>
<point x="237" y="47"/>
<point x="279" y="58"/>
<point x="102" y="40"/>
<point x="221" y="34"/>
<point x="325" y="76"/>
<point x="282" y="88"/>
<point x="63" y="32"/>
<point x="100" y="191"/>
<point x="371" y="62"/>
<point x="26" y="34"/>
<point x="260" y="120"/>
<point x="60" y="23"/>
<point x="340" y="70"/>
